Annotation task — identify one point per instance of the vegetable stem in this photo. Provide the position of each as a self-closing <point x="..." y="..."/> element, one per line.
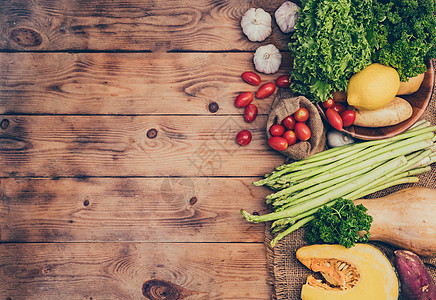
<point x="349" y="172"/>
<point x="291" y="229"/>
<point x="341" y="190"/>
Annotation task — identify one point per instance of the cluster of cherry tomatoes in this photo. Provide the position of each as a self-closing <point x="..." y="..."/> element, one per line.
<point x="337" y="115"/>
<point x="292" y="129"/>
<point x="244" y="100"/>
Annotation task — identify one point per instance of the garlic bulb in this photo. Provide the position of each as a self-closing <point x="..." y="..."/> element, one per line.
<point x="256" y="24"/>
<point x="336" y="138"/>
<point x="286" y="16"/>
<point x="267" y="59"/>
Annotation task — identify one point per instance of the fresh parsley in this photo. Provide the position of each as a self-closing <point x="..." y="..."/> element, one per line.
<point x="340" y="224"/>
<point x="405" y="35"/>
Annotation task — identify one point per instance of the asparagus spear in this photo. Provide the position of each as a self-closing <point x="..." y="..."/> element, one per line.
<point x="351" y="171"/>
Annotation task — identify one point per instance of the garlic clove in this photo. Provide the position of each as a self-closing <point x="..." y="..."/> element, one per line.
<point x="286" y="16"/>
<point x="267" y="59"/>
<point x="256" y="24"/>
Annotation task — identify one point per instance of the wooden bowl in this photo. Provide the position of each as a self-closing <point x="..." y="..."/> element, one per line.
<point x="419" y="101"/>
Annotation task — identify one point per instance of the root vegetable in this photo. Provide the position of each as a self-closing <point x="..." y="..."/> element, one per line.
<point x="416" y="282"/>
<point x="395" y="112"/>
<point x="410" y="86"/>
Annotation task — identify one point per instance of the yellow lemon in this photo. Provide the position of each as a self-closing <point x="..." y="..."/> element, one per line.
<point x="373" y="88"/>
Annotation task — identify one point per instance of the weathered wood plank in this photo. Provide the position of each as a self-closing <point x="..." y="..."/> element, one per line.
<point x="126" y="83"/>
<point x="130" y="25"/>
<point x="130" y="209"/>
<point x="133" y="146"/>
<point x="132" y="270"/>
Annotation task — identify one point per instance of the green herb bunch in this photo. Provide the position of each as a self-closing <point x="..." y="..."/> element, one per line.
<point x="342" y="223"/>
<point x="405" y="35"/>
<point x="334" y="39"/>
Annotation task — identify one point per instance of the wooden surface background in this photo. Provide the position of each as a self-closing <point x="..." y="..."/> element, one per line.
<point x="119" y="174"/>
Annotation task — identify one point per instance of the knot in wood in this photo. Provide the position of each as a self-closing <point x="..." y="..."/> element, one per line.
<point x="213" y="107"/>
<point x="4" y="124"/>
<point x="193" y="200"/>
<point x="26" y="37"/>
<point x="152" y="133"/>
<point x="161" y="290"/>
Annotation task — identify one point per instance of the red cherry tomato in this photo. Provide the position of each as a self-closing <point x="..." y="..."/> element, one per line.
<point x="283" y="81"/>
<point x="328" y="103"/>
<point x="250" y="113"/>
<point x="301" y="115"/>
<point x="251" y="78"/>
<point x="334" y="119"/>
<point x="348" y="117"/>
<point x="266" y="90"/>
<point x="277" y="130"/>
<point x="289" y="122"/>
<point x="244" y="99"/>
<point x="302" y="131"/>
<point x="243" y="137"/>
<point x="278" y="143"/>
<point x="338" y="107"/>
<point x="290" y="137"/>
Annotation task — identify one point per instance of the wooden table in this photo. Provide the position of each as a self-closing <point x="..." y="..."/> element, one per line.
<point x="119" y="174"/>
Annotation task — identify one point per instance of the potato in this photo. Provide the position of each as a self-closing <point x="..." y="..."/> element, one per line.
<point x="395" y="112"/>
<point x="411" y="86"/>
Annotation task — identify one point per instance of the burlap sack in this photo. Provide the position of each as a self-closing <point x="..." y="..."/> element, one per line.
<point x="284" y="105"/>
<point x="287" y="274"/>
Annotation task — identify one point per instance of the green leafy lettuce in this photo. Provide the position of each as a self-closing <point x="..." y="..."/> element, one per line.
<point x="335" y="39"/>
<point x="329" y="46"/>
<point x="343" y="223"/>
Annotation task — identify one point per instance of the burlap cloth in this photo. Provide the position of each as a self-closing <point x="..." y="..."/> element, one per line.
<point x="287" y="274"/>
<point x="285" y="104"/>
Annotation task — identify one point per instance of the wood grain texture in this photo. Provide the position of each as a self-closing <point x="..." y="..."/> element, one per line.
<point x="127" y="83"/>
<point x="130" y="209"/>
<point x="119" y="271"/>
<point x="204" y="25"/>
<point x="149" y="146"/>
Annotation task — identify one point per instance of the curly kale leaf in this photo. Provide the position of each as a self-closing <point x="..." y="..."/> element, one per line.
<point x="329" y="46"/>
<point x="406" y="36"/>
<point x="340" y="224"/>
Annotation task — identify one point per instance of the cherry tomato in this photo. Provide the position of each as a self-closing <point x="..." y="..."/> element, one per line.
<point x="266" y="90"/>
<point x="251" y="78"/>
<point x="301" y="115"/>
<point x="283" y="81"/>
<point x="348" y="117"/>
<point x="289" y="122"/>
<point x="302" y="131"/>
<point x="243" y="137"/>
<point x="290" y="137"/>
<point x="277" y="130"/>
<point x="244" y="99"/>
<point x="338" y="107"/>
<point x="278" y="143"/>
<point x="250" y="113"/>
<point x="328" y="103"/>
<point x="334" y="119"/>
